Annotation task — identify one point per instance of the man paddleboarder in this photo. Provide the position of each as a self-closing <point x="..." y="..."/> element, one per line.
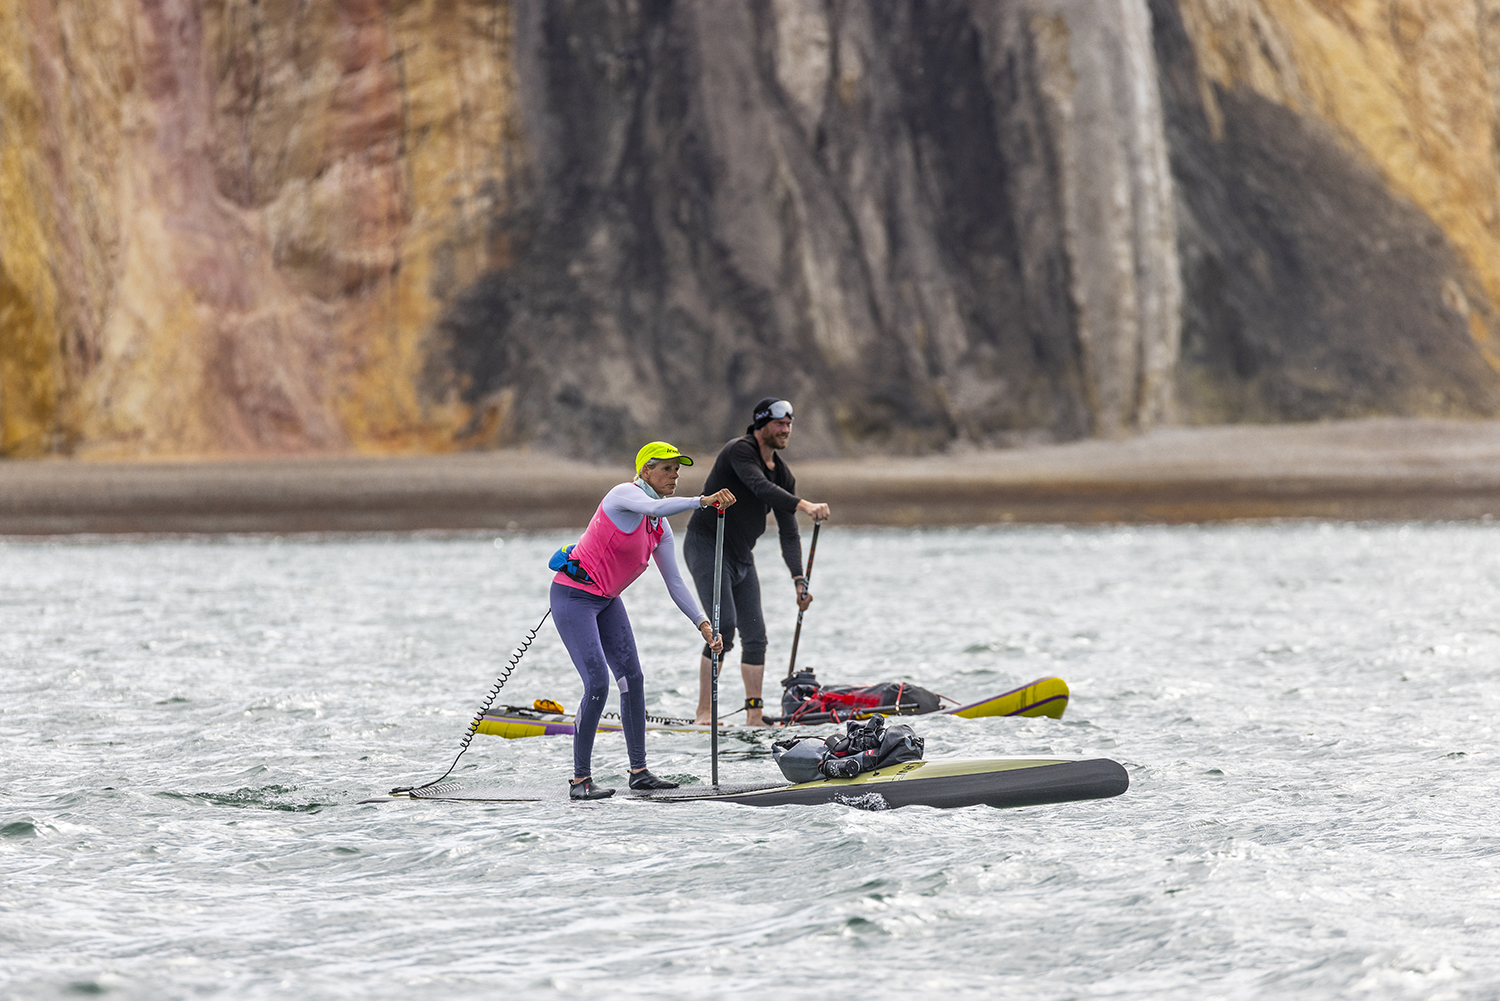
<point x="749" y="468"/>
<point x="629" y="528"/>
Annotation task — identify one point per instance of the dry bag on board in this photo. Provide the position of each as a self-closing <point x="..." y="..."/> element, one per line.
<point x="865" y="746"/>
<point x="804" y="697"/>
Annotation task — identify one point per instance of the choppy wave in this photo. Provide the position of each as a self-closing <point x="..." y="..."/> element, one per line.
<point x="1307" y="713"/>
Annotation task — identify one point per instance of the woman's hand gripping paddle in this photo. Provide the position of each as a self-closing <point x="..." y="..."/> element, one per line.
<point x="714" y="696"/>
<point x="812" y="552"/>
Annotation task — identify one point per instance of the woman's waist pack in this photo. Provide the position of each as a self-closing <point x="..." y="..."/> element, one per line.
<point x="867" y="745"/>
<point x="565" y="561"/>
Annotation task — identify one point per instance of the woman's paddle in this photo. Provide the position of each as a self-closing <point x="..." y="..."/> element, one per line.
<point x="714" y="696"/>
<point x="812" y="552"/>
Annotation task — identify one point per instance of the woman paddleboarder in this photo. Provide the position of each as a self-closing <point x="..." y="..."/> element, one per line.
<point x="629" y="528"/>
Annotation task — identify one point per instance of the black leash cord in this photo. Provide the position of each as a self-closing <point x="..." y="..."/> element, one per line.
<point x="663" y="720"/>
<point x="505" y="672"/>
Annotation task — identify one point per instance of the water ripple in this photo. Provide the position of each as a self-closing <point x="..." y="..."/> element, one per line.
<point x="1307" y="713"/>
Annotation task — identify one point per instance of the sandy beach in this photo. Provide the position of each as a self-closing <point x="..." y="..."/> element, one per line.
<point x="1378" y="469"/>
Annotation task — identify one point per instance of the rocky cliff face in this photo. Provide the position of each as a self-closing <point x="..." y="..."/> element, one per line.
<point x="232" y="226"/>
<point x="919" y="221"/>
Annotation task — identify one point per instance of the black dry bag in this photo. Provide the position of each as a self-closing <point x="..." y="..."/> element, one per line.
<point x="798" y="689"/>
<point x="864" y="746"/>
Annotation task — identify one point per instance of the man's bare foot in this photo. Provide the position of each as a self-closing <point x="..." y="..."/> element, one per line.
<point x="755" y="717"/>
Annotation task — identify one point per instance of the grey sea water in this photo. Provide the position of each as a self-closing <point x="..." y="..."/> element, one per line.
<point x="1307" y="713"/>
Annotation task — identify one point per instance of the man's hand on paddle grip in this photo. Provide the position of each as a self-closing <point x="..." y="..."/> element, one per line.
<point x="818" y="512"/>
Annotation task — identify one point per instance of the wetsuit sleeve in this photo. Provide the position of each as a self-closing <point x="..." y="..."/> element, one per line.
<point x="791" y="541"/>
<point x="627" y="504"/>
<point x="666" y="561"/>
<point x="752" y="473"/>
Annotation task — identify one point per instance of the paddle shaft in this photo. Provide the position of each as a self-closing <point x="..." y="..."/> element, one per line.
<point x="714" y="691"/>
<point x="812" y="552"/>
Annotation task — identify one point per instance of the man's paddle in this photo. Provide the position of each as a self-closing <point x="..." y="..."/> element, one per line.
<point x="812" y="552"/>
<point x="714" y="696"/>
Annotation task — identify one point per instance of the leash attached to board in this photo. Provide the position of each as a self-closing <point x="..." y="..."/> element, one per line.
<point x="505" y="672"/>
<point x="812" y="552"/>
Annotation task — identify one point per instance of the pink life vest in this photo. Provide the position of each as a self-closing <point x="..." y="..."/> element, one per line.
<point x="614" y="559"/>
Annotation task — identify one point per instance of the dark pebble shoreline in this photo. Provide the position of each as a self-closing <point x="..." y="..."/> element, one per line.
<point x="1377" y="469"/>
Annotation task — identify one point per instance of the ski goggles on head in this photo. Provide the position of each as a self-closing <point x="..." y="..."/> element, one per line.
<point x="775" y="411"/>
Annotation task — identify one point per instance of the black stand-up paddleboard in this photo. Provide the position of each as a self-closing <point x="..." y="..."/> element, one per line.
<point x="997" y="782"/>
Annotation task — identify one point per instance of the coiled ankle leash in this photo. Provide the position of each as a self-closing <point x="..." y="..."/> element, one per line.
<point x="505" y="672"/>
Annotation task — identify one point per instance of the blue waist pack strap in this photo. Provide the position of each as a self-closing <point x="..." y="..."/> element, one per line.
<point x="563" y="560"/>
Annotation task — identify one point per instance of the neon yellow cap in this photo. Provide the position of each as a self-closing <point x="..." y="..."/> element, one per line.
<point x="658" y="450"/>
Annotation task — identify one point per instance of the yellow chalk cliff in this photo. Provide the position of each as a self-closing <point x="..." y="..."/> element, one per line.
<point x="228" y="225"/>
<point x="1411" y="84"/>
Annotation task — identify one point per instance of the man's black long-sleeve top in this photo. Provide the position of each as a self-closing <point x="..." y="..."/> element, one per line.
<point x="756" y="490"/>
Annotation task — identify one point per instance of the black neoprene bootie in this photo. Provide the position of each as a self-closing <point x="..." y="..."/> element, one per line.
<point x="643" y="779"/>
<point x="587" y="790"/>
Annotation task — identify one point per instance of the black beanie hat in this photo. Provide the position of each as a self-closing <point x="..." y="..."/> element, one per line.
<point x="761" y="415"/>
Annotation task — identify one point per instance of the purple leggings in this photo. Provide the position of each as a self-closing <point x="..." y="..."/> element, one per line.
<point x="597" y="633"/>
